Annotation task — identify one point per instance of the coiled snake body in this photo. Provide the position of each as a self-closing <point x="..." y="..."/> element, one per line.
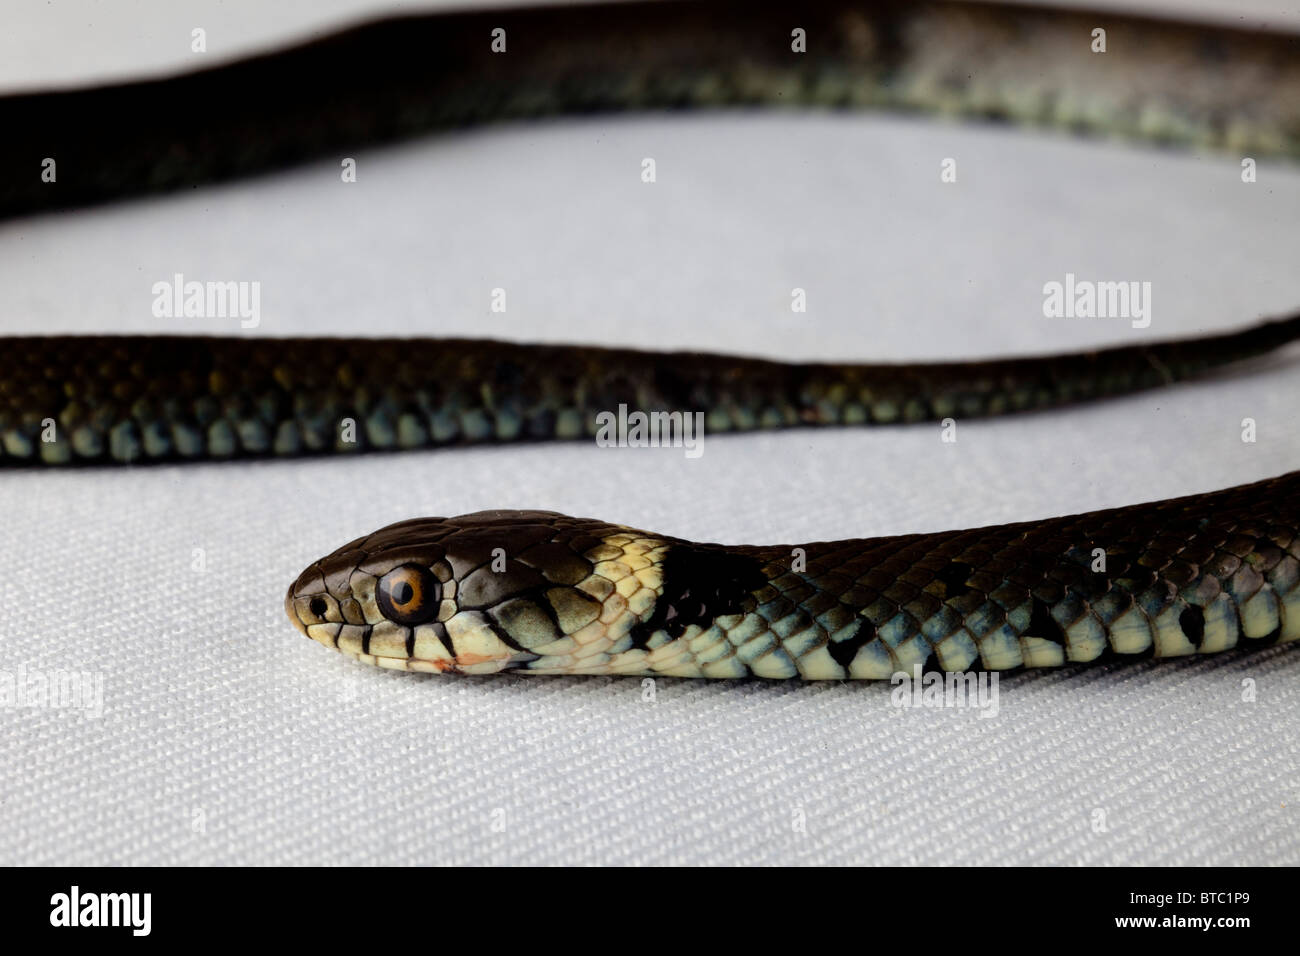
<point x="541" y="592"/>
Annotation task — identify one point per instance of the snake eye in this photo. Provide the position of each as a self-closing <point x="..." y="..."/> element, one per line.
<point x="409" y="595"/>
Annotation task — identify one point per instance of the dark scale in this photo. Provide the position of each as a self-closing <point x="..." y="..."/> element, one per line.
<point x="843" y="652"/>
<point x="1042" y="624"/>
<point x="954" y="576"/>
<point x="699" y="585"/>
<point x="1192" y="621"/>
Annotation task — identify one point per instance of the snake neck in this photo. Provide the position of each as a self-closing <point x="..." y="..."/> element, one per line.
<point x="1174" y="578"/>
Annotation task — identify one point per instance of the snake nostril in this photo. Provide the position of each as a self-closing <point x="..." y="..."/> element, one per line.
<point x="318" y="607"/>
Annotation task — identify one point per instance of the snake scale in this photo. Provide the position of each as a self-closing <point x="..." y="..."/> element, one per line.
<point x="539" y="592"/>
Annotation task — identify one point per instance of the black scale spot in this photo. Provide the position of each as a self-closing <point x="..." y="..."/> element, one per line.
<point x="541" y="424"/>
<point x="673" y="386"/>
<point x="843" y="652"/>
<point x="1268" y="639"/>
<point x="699" y="585"/>
<point x="1192" y="621"/>
<point x="1042" y="624"/>
<point x="1117" y="562"/>
<point x="954" y="577"/>
<point x="508" y="373"/>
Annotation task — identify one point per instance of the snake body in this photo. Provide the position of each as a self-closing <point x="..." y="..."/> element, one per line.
<point x="69" y="400"/>
<point x="538" y="592"/>
<point x="1176" y="84"/>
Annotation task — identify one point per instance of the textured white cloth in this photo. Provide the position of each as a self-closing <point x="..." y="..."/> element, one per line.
<point x="226" y="737"/>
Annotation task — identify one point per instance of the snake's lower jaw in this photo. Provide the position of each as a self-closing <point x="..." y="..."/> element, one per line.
<point x="461" y="664"/>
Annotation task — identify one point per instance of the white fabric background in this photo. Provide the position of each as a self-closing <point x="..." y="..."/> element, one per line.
<point x="228" y="738"/>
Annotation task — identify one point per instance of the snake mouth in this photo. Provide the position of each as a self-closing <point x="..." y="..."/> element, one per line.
<point x="462" y="664"/>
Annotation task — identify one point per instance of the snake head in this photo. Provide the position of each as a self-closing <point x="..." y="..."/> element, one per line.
<point x="481" y="593"/>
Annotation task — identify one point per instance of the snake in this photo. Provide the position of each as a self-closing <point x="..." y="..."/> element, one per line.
<point x="537" y="592"/>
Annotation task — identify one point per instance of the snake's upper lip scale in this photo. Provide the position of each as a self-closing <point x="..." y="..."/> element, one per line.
<point x="293" y="615"/>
